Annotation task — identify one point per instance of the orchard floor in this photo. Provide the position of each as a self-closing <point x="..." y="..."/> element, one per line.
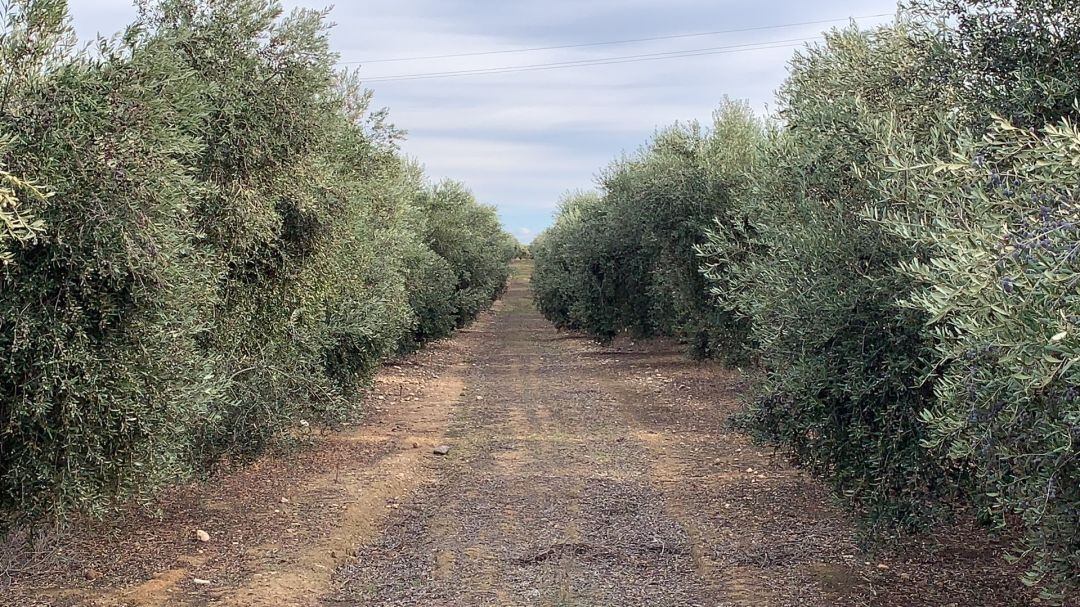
<point x="578" y="474"/>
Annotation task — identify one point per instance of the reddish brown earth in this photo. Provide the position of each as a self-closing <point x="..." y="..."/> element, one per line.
<point x="578" y="474"/>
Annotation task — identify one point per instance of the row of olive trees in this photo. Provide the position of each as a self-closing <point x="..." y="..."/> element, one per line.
<point x="898" y="253"/>
<point x="207" y="238"/>
<point x="627" y="260"/>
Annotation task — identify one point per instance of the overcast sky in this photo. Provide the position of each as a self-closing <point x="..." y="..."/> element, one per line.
<point x="520" y="140"/>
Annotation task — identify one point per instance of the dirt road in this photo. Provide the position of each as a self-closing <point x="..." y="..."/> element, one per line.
<point x="578" y="474"/>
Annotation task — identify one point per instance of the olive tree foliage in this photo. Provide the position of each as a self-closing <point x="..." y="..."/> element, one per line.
<point x="899" y="264"/>
<point x="18" y="226"/>
<point x="1002" y="292"/>
<point x="843" y="364"/>
<point x="463" y="263"/>
<point x="103" y="378"/>
<point x="634" y="266"/>
<point x="582" y="275"/>
<point x="844" y="266"/>
<point x="843" y="275"/>
<point x="209" y="237"/>
<point x="467" y="235"/>
<point x="1013" y="58"/>
<point x="20" y="61"/>
<point x="997" y="214"/>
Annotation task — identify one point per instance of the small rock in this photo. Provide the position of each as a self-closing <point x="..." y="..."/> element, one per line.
<point x="284" y="500"/>
<point x="92" y="574"/>
<point x="441" y="450"/>
<point x="882" y="566"/>
<point x="202" y="536"/>
<point x="415" y="445"/>
<point x="201" y="582"/>
<point x="479" y="398"/>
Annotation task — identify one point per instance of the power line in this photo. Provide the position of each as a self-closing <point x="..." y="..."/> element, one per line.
<point x="613" y="42"/>
<point x="717" y="50"/>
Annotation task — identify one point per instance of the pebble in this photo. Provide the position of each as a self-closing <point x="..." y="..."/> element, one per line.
<point x="441" y="450"/>
<point x="202" y="536"/>
<point x="201" y="582"/>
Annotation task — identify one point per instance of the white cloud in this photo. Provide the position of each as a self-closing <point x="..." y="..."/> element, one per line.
<point x="525" y="235"/>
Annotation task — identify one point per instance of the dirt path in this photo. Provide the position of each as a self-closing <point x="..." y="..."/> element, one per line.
<point x="578" y="475"/>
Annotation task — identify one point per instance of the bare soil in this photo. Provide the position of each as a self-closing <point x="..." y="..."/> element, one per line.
<point x="578" y="474"/>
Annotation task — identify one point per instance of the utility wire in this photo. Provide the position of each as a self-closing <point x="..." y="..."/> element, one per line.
<point x="716" y="50"/>
<point x="612" y="42"/>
